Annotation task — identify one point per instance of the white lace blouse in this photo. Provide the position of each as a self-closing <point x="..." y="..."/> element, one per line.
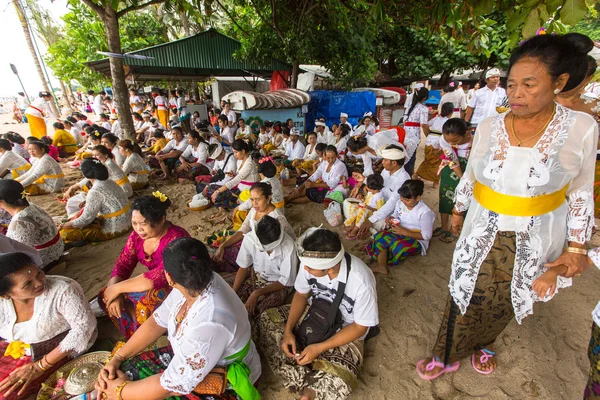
<point x="420" y="115"/>
<point x="12" y="161"/>
<point x="44" y="167"/>
<point x="34" y="227"/>
<point x="135" y="169"/>
<point x="564" y="156"/>
<point x="215" y="327"/>
<point x="61" y="307"/>
<point x="114" y="174"/>
<point x="105" y="197"/>
<point x="245" y="176"/>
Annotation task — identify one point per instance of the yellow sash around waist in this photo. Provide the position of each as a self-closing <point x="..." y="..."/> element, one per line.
<point x="143" y="172"/>
<point x="14" y="172"/>
<point x="44" y="177"/>
<point x="116" y="213"/>
<point x="517" y="206"/>
<point x="122" y="181"/>
<point x="281" y="204"/>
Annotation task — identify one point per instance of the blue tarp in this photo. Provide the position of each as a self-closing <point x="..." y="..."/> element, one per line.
<point x="329" y="104"/>
<point x="434" y="97"/>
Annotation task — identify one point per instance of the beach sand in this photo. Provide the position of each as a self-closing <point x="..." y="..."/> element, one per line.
<point x="544" y="358"/>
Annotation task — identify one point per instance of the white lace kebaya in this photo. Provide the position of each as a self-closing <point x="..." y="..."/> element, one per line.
<point x="564" y="156"/>
<point x="61" y="307"/>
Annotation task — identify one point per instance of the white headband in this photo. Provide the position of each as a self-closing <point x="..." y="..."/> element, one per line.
<point x="393" y="154"/>
<point x="252" y="237"/>
<point x="316" y="262"/>
<point x="492" y="72"/>
<point x="367" y="114"/>
<point x="319" y="123"/>
<point x="343" y="115"/>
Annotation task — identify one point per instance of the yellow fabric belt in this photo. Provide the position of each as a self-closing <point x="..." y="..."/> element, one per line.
<point x="44" y="177"/>
<point x="281" y="204"/>
<point x="24" y="167"/>
<point x="122" y="181"/>
<point x="143" y="172"/>
<point x="517" y="206"/>
<point x="116" y="213"/>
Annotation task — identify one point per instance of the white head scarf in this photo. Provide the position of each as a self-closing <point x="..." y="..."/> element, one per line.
<point x="319" y="123"/>
<point x="392" y="154"/>
<point x="317" y="259"/>
<point x="492" y="72"/>
<point x="343" y="115"/>
<point x="252" y="237"/>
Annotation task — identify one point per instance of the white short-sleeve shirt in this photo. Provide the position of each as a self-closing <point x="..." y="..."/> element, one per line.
<point x="279" y="266"/>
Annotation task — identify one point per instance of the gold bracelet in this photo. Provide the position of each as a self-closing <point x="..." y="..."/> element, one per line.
<point x="120" y="388"/>
<point x="39" y="366"/>
<point x="576" y="250"/>
<point x="48" y="365"/>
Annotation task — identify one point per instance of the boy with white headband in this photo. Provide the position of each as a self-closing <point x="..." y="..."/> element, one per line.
<point x="323" y="269"/>
<point x="324" y="135"/>
<point x="272" y="255"/>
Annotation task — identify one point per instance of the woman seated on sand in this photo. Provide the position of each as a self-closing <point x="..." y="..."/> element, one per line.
<point x="63" y="140"/>
<point x="30" y="224"/>
<point x="130" y="301"/>
<point x="408" y="229"/>
<point x="305" y="163"/>
<point x="94" y="138"/>
<point x="272" y="255"/>
<point x="110" y="141"/>
<point x="18" y="143"/>
<point x="157" y="142"/>
<point x="326" y="180"/>
<point x="268" y="174"/>
<point x="341" y="139"/>
<point x="45" y="176"/>
<point x="225" y="196"/>
<point x="329" y="368"/>
<point x="192" y="162"/>
<point x="134" y="166"/>
<point x="261" y="198"/>
<point x="430" y="166"/>
<point x="106" y="214"/>
<point x="167" y="157"/>
<point x="102" y="154"/>
<point x="47" y="316"/>
<point x="244" y="131"/>
<point x="207" y="327"/>
<point x="224" y="167"/>
<point x="12" y="165"/>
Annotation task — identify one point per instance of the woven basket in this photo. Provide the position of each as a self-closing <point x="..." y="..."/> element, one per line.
<point x="202" y="208"/>
<point x="97" y="356"/>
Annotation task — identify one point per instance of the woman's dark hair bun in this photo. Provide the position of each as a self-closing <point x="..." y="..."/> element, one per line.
<point x="581" y="43"/>
<point x="11" y="192"/>
<point x="94" y="169"/>
<point x="152" y="208"/>
<point x="188" y="263"/>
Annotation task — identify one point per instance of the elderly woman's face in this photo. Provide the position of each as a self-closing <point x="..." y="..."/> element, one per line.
<point x="259" y="202"/>
<point x="29" y="282"/>
<point x="530" y="88"/>
<point x="142" y="226"/>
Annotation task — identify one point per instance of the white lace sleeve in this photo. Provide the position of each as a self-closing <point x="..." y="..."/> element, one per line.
<point x="93" y="205"/>
<point x="35" y="173"/>
<point x="23" y="232"/>
<point x="464" y="190"/>
<point x="580" y="195"/>
<point x="82" y="323"/>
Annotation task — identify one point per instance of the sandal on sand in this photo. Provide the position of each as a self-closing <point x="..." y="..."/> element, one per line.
<point x="485" y="356"/>
<point x="435" y="362"/>
<point x="438" y="231"/>
<point x="448" y="237"/>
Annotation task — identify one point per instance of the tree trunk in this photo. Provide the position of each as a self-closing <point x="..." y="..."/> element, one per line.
<point x="117" y="72"/>
<point x="294" y="78"/>
<point x="185" y="23"/>
<point x="36" y="60"/>
<point x="65" y="95"/>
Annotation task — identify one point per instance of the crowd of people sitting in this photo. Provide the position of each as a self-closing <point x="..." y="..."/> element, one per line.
<point x="224" y="308"/>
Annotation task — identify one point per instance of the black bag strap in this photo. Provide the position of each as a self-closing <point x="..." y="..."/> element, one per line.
<point x="227" y="160"/>
<point x="340" y="292"/>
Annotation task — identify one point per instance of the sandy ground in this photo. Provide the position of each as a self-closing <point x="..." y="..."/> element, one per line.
<point x="545" y="357"/>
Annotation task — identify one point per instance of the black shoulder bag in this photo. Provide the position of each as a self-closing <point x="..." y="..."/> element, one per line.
<point x="220" y="175"/>
<point x="323" y="319"/>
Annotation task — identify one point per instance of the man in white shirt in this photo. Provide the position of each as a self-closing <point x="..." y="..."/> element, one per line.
<point x="168" y="156"/>
<point x="484" y="101"/>
<point x="344" y="121"/>
<point x="325" y="269"/>
<point x="323" y="134"/>
<point x="99" y="104"/>
<point x="294" y="149"/>
<point x="116" y="126"/>
<point x="394" y="175"/>
<point x="272" y="255"/>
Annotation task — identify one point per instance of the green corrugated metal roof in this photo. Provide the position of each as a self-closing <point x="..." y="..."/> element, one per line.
<point x="206" y="54"/>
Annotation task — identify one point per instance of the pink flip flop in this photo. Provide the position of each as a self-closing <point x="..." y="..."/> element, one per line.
<point x="435" y="362"/>
<point x="485" y="356"/>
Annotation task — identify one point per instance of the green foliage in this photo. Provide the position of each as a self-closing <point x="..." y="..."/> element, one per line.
<point x="590" y="25"/>
<point x="84" y="35"/>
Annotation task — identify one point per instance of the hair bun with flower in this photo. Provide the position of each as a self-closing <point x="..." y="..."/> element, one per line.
<point x="265" y="159"/>
<point x="451" y="84"/>
<point x="161" y="196"/>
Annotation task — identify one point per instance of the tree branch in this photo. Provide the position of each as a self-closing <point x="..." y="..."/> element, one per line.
<point x="275" y="28"/>
<point x="95" y="7"/>
<point x="138" y="7"/>
<point x="231" y="18"/>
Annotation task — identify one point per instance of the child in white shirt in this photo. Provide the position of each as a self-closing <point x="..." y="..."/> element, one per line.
<point x="359" y="212"/>
<point x="408" y="230"/>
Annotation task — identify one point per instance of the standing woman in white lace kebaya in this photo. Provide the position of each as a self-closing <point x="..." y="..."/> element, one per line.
<point x="528" y="189"/>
